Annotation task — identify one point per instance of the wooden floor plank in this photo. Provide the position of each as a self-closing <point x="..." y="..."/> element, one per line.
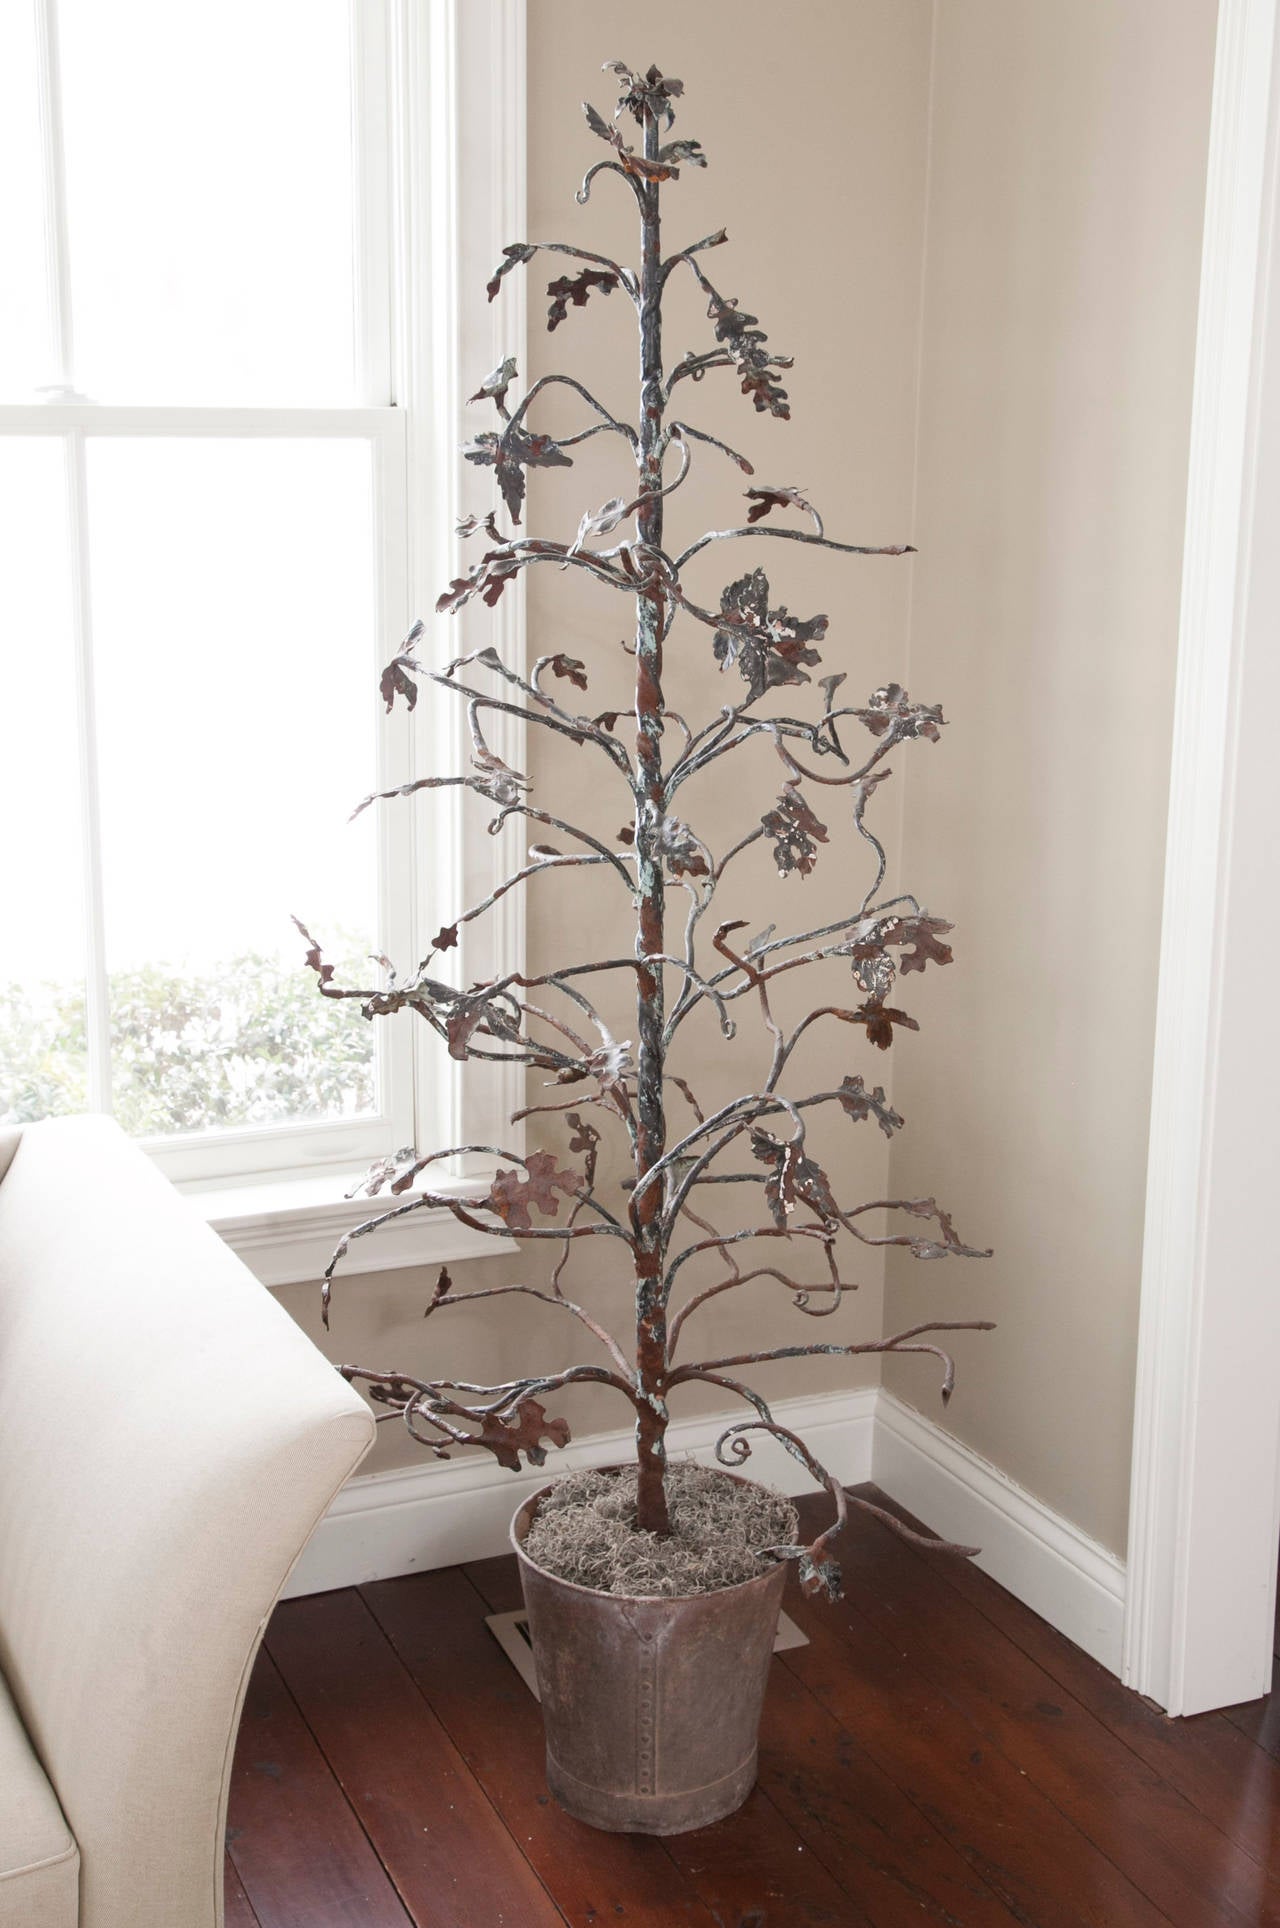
<point x="453" y="1862"/>
<point x="878" y="1845"/>
<point x="436" y="1624"/>
<point x="1206" y="1757"/>
<point x="1043" y="1867"/>
<point x="298" y="1849"/>
<point x="1174" y="1854"/>
<point x="1259" y="1722"/>
<point x="238" y="1912"/>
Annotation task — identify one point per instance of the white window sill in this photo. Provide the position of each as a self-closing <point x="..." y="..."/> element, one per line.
<point x="285" y="1230"/>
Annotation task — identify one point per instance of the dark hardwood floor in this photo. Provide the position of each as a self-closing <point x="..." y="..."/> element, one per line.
<point x="936" y="1755"/>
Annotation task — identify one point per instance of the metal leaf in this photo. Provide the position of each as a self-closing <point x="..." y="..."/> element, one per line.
<point x="763" y="500"/>
<point x="512" y="1195"/>
<point x="495" y="385"/>
<point x="574" y="289"/>
<point x="681" y="850"/>
<point x="795" y="831"/>
<point x="524" y="1432"/>
<point x="860" y="1103"/>
<point x="767" y="646"/>
<point x="497" y="780"/>
<point x="510" y="453"/>
<point x="744" y="340"/>
<point x="890" y="708"/>
<point x="651" y="94"/>
<point x="513" y="257"/>
<point x="396" y="679"/>
<point x="880" y="1020"/>
<point x="631" y="162"/>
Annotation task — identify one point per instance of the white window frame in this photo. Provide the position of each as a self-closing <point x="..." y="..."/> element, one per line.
<point x="440" y="188"/>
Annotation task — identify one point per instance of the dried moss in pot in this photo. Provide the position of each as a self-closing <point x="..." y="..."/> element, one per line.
<point x="585" y="1531"/>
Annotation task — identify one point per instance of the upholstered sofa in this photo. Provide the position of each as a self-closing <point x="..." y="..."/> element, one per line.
<point x="168" y="1440"/>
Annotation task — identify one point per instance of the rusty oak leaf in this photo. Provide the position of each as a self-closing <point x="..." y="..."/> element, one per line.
<point x="649" y="93"/>
<point x="512" y="1197"/>
<point x="795" y="831"/>
<point x="524" y="1432"/>
<point x="571" y="670"/>
<point x="675" y="153"/>
<point x="469" y="1011"/>
<point x="314" y="959"/>
<point x="795" y="1179"/>
<point x="923" y="932"/>
<point x="880" y="1020"/>
<point x="396" y="679"/>
<point x="744" y="342"/>
<point x="389" y="1391"/>
<point x="860" y="1103"/>
<point x="574" y="289"/>
<point x="763" y="500"/>
<point x="768" y="647"/>
<point x="890" y="708"/>
<point x="585" y="1139"/>
<point x="509" y="454"/>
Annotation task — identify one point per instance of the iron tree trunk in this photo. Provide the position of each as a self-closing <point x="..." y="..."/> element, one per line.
<point x="651" y="1318"/>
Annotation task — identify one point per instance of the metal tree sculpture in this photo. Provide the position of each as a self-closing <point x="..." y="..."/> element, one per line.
<point x="506" y="1018"/>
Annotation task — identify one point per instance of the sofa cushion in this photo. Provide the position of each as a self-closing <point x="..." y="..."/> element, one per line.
<point x="39" y="1862"/>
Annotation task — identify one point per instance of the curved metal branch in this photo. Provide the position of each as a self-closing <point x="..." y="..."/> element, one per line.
<point x="548" y="1298"/>
<point x="792" y="535"/>
<point x="569" y="381"/>
<point x="617" y="859"/>
<point x="701" y="435"/>
<point x="583" y="194"/>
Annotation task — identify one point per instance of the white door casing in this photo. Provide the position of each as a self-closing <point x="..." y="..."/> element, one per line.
<point x="1205" y="1508"/>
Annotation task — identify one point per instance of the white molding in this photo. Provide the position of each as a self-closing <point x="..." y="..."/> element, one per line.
<point x="1042" y="1558"/>
<point x="1182" y="1419"/>
<point x="460" y="67"/>
<point x="285" y="1233"/>
<point x="441" y="1512"/>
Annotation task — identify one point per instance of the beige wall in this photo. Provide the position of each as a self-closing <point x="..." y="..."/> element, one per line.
<point x="1044" y="451"/>
<point x="1066" y="188"/>
<point x="786" y="148"/>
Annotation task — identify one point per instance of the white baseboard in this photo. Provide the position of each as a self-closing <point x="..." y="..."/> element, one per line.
<point x="1054" y="1568"/>
<point x="441" y="1512"/>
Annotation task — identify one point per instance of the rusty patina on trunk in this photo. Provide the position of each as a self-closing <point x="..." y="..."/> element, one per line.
<point x="651" y="1706"/>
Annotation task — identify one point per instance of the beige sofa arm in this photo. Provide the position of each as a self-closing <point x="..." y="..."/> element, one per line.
<point x="168" y="1440"/>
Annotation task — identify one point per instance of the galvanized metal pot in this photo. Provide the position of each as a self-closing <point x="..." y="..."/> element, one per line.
<point x="651" y="1706"/>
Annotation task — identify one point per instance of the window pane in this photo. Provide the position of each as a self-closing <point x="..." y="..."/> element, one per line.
<point x="43" y="1060"/>
<point x="25" y="334"/>
<point x="209" y="197"/>
<point x="233" y="606"/>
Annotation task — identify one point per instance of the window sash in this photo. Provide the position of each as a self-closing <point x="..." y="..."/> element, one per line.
<point x="439" y="159"/>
